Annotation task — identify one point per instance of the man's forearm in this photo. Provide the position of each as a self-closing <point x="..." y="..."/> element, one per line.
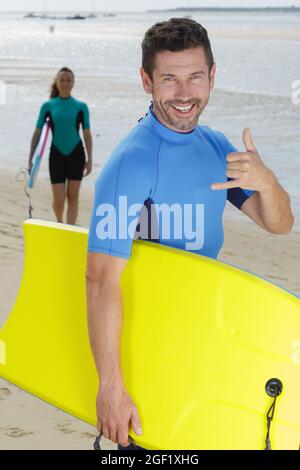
<point x="275" y="208"/>
<point x="105" y="316"/>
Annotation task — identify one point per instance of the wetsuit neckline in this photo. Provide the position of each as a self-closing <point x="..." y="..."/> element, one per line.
<point x="64" y="99"/>
<point x="178" y="137"/>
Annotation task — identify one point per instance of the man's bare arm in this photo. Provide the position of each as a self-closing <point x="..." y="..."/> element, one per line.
<point x="115" y="409"/>
<point x="271" y="210"/>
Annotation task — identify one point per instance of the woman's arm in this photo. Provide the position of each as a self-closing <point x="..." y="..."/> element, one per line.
<point x="34" y="142"/>
<point x="89" y="148"/>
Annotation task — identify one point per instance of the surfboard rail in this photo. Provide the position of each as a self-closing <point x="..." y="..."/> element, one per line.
<point x="37" y="159"/>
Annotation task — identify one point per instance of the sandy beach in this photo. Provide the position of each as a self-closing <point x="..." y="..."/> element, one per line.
<point x="26" y="421"/>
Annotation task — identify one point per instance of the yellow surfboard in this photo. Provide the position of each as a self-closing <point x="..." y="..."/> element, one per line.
<point x="200" y="340"/>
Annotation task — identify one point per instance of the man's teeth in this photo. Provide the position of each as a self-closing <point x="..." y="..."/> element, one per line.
<point x="184" y="109"/>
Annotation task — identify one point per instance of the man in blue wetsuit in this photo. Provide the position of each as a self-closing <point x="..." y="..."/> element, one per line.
<point x="167" y="164"/>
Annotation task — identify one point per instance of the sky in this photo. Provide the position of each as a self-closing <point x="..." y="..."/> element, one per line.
<point x="132" y="5"/>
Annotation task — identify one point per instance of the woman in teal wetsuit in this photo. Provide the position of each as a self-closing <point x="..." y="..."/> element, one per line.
<point x="67" y="161"/>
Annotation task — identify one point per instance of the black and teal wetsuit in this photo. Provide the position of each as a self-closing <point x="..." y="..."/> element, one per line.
<point x="67" y="156"/>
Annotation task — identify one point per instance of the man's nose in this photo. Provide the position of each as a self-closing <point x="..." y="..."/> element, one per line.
<point x="183" y="92"/>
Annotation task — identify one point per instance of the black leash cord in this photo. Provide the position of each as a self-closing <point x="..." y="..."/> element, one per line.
<point x="24" y="173"/>
<point x="270" y="416"/>
<point x="273" y="388"/>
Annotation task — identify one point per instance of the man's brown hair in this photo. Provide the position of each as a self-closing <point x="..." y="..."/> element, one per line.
<point x="176" y="34"/>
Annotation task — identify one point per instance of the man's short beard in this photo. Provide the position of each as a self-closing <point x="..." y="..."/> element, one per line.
<point x="182" y="124"/>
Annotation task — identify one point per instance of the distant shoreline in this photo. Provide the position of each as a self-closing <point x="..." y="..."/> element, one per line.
<point x="230" y="9"/>
<point x="290" y="9"/>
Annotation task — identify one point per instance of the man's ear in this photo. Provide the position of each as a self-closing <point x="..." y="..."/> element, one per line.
<point x="147" y="82"/>
<point x="212" y="76"/>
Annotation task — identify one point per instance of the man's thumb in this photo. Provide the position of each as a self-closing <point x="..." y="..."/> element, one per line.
<point x="136" y="422"/>
<point x="248" y="142"/>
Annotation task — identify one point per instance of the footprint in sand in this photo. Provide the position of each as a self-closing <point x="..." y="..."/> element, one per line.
<point x="4" y="393"/>
<point x="89" y="435"/>
<point x="17" y="432"/>
<point x="63" y="428"/>
<point x="276" y="277"/>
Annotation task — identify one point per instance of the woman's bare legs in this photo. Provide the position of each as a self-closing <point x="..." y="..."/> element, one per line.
<point x="73" y="187"/>
<point x="59" y="196"/>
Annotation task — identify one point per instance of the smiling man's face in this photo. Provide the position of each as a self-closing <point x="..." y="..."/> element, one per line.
<point x="180" y="87"/>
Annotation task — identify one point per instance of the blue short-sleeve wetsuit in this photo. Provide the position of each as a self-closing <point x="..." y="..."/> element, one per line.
<point x="67" y="156"/>
<point x="156" y="166"/>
